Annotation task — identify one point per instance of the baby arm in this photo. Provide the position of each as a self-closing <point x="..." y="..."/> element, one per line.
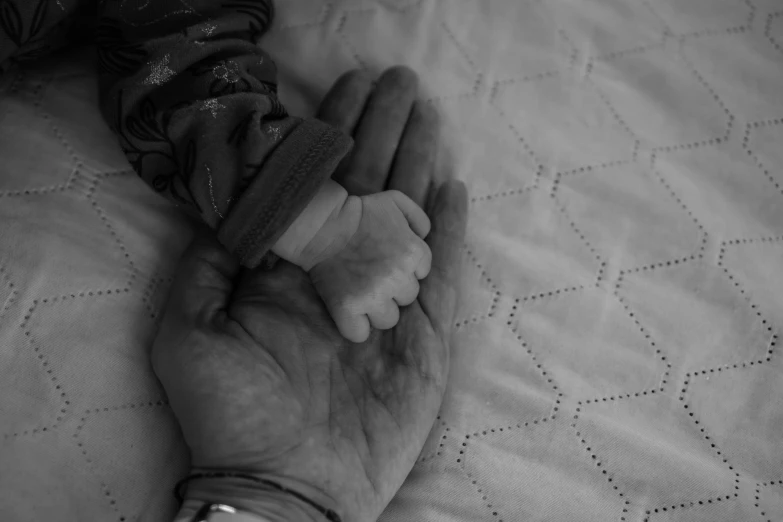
<point x="193" y="101"/>
<point x="365" y="255"/>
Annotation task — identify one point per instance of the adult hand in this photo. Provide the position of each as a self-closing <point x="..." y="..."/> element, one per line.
<point x="259" y="377"/>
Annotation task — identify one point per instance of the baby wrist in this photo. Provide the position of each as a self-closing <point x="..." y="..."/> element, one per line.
<point x="296" y="243"/>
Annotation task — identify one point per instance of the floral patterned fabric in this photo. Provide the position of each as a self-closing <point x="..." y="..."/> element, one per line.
<point x="193" y="101"/>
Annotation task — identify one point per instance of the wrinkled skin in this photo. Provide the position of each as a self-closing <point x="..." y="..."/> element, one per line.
<point x="255" y="370"/>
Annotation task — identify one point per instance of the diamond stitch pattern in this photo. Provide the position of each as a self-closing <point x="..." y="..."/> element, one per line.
<point x="477" y="407"/>
<point x="751" y="264"/>
<point x="615" y="357"/>
<point x="525" y="238"/>
<point x="668" y="468"/>
<point x="608" y="27"/>
<point x="699" y="16"/>
<point x="637" y="85"/>
<point x="508" y="167"/>
<point x="741" y="439"/>
<point x="119" y="369"/>
<point x="723" y="60"/>
<point x="380" y="41"/>
<point x="593" y="138"/>
<point x="552" y="459"/>
<point x="764" y="146"/>
<point x="103" y="431"/>
<point x="29" y="141"/>
<point x="628" y="216"/>
<point x="769" y="500"/>
<point x="527" y="30"/>
<point x="586" y="320"/>
<point x="709" y="179"/>
<point x="94" y="153"/>
<point x="697" y="340"/>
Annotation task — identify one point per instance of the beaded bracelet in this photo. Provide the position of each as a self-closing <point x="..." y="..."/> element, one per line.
<point x="329" y="514"/>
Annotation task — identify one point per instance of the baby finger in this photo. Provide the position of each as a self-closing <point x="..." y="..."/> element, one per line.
<point x="407" y="293"/>
<point x="385" y="316"/>
<point x="425" y="261"/>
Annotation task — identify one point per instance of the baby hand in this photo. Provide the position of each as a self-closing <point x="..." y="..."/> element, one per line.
<point x="378" y="267"/>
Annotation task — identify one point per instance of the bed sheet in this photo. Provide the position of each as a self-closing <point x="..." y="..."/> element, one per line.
<point x="616" y="352"/>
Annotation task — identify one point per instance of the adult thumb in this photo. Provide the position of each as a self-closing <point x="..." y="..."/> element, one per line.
<point x="204" y="280"/>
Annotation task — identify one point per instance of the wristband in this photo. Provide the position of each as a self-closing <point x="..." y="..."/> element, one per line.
<point x="217" y="513"/>
<point x="329" y="514"/>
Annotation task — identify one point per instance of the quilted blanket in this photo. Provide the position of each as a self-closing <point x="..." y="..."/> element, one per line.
<point x="616" y="355"/>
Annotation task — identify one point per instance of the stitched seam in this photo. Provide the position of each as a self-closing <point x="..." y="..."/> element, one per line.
<point x="616" y="115"/>
<point x="483" y="494"/>
<point x="81" y="445"/>
<point x="544" y="374"/>
<point x="756" y="159"/>
<point x="599" y="464"/>
<point x="571" y="223"/>
<point x="757" y="497"/>
<point x="768" y="30"/>
<point x="772" y="343"/>
<point x="709" y="141"/>
<point x="90" y="194"/>
<point x="346" y="41"/>
<point x="12" y="292"/>
<point x="525" y="79"/>
<point x="681" y="203"/>
<point x="737" y="29"/>
<point x="589" y="168"/>
<point x="701" y="231"/>
<point x="45" y="366"/>
<point x="506" y="193"/>
<point x="496" y="295"/>
<point x="659" y="352"/>
<point x="525" y="146"/>
<point x="488" y="431"/>
<point x="37" y="93"/>
<point x="459" y="46"/>
<point x="154" y="285"/>
<point x="624" y="52"/>
<point x="442" y="441"/>
<point x="710" y="31"/>
<point x="685" y="505"/>
<point x="713" y="446"/>
<point x="544" y="295"/>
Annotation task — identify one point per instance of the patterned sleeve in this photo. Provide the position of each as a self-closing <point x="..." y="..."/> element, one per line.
<point x="194" y="103"/>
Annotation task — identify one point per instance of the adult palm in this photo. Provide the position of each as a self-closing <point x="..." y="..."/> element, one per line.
<point x="254" y="367"/>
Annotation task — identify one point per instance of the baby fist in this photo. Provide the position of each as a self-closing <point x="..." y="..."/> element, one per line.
<point x="364" y="283"/>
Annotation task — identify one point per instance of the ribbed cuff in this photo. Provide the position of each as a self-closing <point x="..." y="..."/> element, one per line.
<point x="289" y="180"/>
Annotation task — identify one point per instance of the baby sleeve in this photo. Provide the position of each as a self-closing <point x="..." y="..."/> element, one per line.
<point x="193" y="101"/>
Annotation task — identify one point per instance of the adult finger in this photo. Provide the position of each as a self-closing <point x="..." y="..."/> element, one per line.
<point x="379" y="131"/>
<point x="204" y="281"/>
<point x="417" y="218"/>
<point x="345" y="101"/>
<point x="449" y="215"/>
<point x="414" y="162"/>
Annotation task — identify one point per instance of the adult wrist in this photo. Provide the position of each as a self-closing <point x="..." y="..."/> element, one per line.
<point x="268" y="503"/>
